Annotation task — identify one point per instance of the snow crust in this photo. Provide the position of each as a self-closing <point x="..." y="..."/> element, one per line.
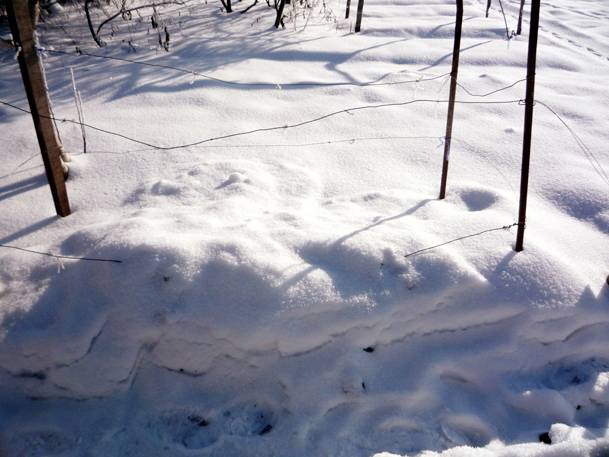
<point x="264" y="304"/>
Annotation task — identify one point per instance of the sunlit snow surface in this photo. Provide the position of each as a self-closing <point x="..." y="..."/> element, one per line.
<point x="256" y="269"/>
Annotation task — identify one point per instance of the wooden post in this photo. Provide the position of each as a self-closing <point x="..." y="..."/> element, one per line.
<point x="451" y="99"/>
<point x="519" y="28"/>
<point x="358" y="20"/>
<point x="528" y="123"/>
<point x="348" y="8"/>
<point x="32" y="73"/>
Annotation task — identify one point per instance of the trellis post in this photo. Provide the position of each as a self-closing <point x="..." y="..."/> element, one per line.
<point x="451" y="99"/>
<point x="22" y="28"/>
<point x="528" y="123"/>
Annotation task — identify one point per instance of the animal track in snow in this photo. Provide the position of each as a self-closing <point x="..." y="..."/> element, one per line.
<point x="560" y="375"/>
<point x="39" y="443"/>
<point x="194" y="429"/>
<point x="463" y="429"/>
<point x="190" y="429"/>
<point x="249" y="419"/>
<point x="477" y="199"/>
<point x="574" y="43"/>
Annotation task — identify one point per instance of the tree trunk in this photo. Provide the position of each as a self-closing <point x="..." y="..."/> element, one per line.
<point x="227" y="6"/>
<point x="99" y="42"/>
<point x="279" y="18"/>
<point x="519" y="28"/>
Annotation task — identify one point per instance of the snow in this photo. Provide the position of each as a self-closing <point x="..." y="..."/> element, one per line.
<point x="256" y="269"/>
<point x="566" y="442"/>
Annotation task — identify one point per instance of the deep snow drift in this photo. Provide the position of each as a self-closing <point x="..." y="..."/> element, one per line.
<point x="264" y="305"/>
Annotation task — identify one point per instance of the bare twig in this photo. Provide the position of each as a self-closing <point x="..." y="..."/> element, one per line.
<point x="137" y="8"/>
<point x="250" y="7"/>
<point x="79" y="111"/>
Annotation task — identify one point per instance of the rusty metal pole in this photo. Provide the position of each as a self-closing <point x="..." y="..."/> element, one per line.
<point x="358" y="20"/>
<point x="528" y="123"/>
<point x="32" y="73"/>
<point x="451" y="99"/>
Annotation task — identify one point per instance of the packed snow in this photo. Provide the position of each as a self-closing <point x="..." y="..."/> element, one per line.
<point x="265" y="303"/>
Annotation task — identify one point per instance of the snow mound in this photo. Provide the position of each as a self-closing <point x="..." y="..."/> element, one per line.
<point x="302" y="291"/>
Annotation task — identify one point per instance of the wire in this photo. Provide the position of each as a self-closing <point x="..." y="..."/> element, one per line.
<point x="48" y="254"/>
<point x="280" y="85"/>
<point x="80" y="52"/>
<point x="290" y="145"/>
<point x="505" y="227"/>
<point x="120" y="135"/>
<point x="22" y="164"/>
<point x="268" y="129"/>
<point x="487" y="94"/>
<point x="598" y="167"/>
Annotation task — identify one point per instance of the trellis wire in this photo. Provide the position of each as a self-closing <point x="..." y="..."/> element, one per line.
<point x="429" y="248"/>
<point x="268" y="129"/>
<point x="273" y="85"/>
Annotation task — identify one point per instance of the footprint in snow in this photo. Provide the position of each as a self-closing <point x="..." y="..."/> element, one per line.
<point x="463" y="429"/>
<point x="561" y="375"/>
<point x="39" y="443"/>
<point x="249" y="419"/>
<point x="234" y="178"/>
<point x="477" y="199"/>
<point x="185" y="428"/>
<point x="193" y="429"/>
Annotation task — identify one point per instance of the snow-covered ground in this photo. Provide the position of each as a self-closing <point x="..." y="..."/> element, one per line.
<point x="264" y="305"/>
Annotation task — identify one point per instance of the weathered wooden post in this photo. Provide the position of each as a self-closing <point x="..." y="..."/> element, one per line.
<point x="451" y="99"/>
<point x="32" y="73"/>
<point x="358" y="20"/>
<point x="528" y="123"/>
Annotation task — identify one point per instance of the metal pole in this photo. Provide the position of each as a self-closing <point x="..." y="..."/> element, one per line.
<point x="32" y="73"/>
<point x="358" y="20"/>
<point x="451" y="100"/>
<point x="528" y="123"/>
